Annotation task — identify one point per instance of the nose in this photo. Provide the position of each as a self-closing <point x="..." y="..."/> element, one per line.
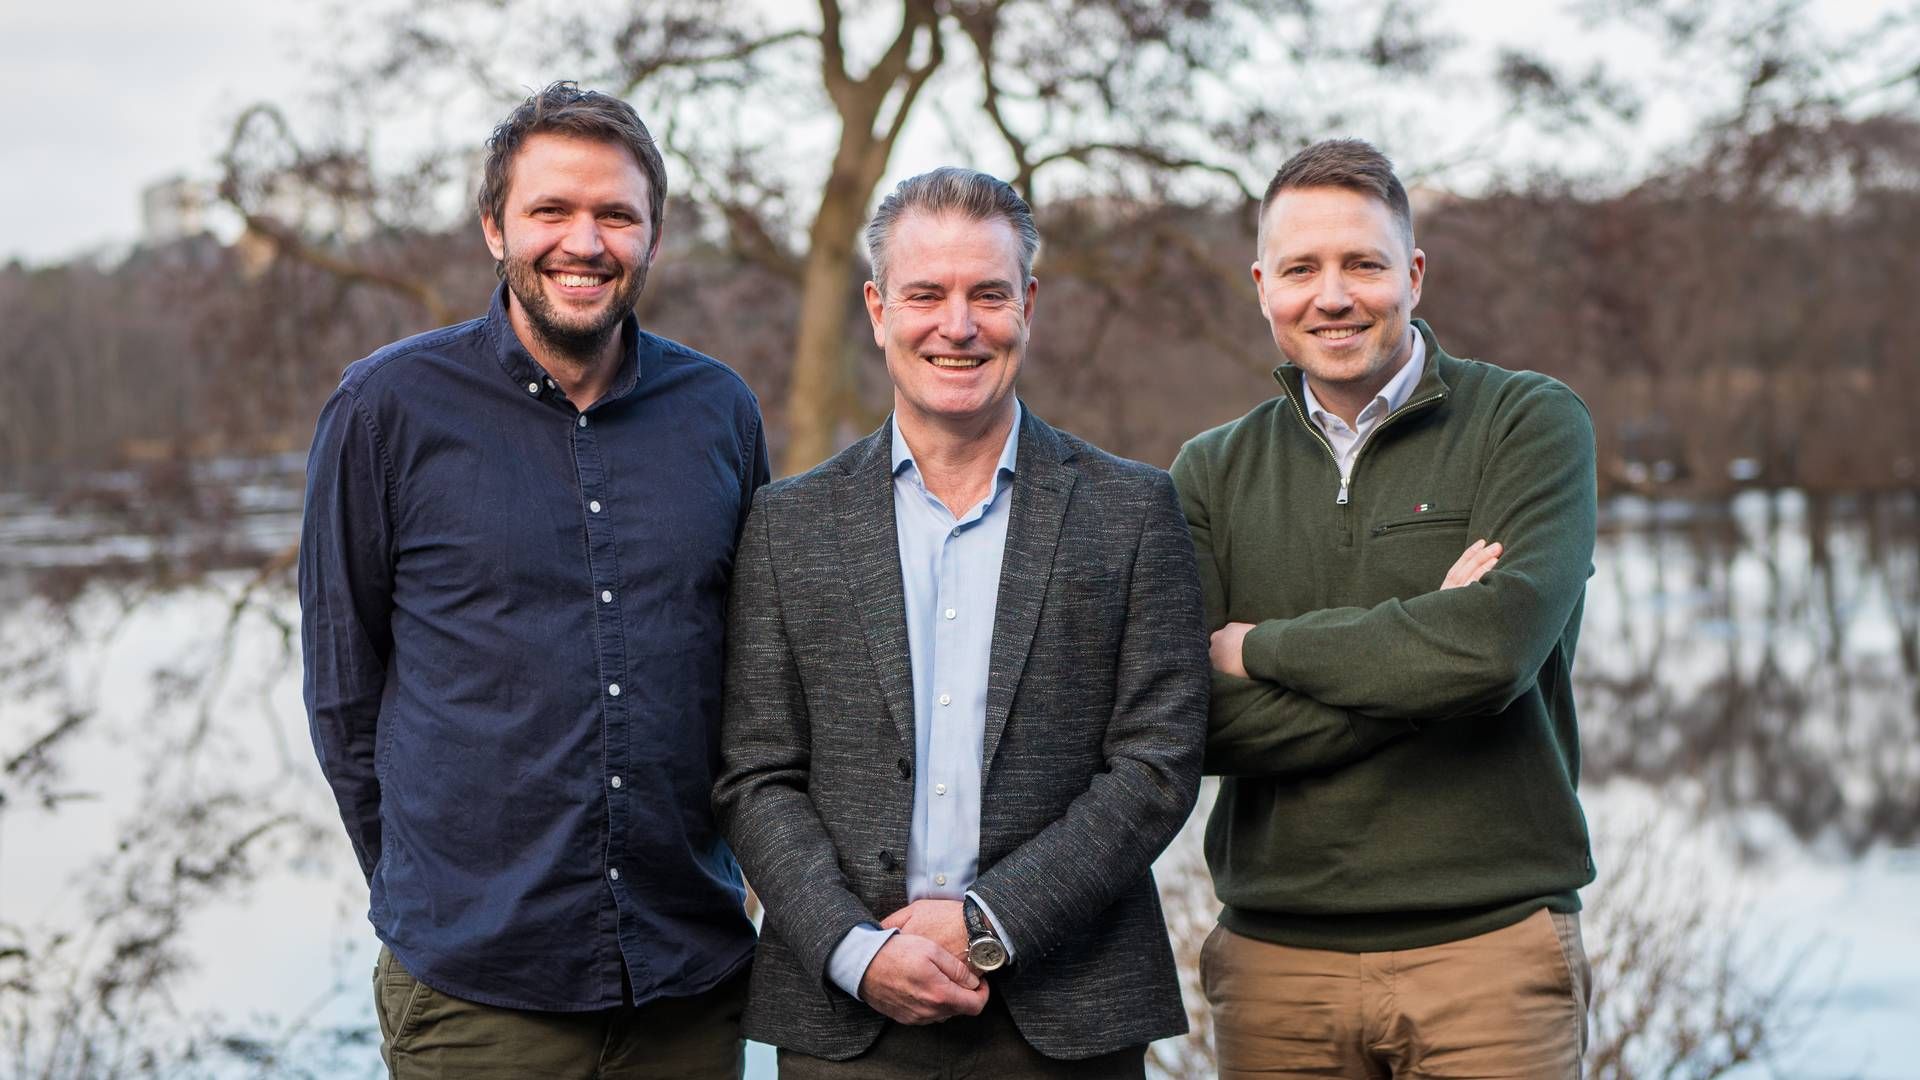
<point x="582" y="237"/>
<point x="956" y="319"/>
<point x="1333" y="295"/>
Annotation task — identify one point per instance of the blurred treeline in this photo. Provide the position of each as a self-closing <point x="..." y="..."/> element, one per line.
<point x="1735" y="313"/>
<point x="1720" y="335"/>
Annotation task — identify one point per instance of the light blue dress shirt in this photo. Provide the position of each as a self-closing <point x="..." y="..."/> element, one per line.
<point x="950" y="573"/>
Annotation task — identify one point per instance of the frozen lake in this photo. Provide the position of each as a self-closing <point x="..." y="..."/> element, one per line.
<point x="1752" y="758"/>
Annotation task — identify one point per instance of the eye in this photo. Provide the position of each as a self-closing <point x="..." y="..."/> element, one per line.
<point x="1297" y="270"/>
<point x="617" y="217"/>
<point x="547" y="213"/>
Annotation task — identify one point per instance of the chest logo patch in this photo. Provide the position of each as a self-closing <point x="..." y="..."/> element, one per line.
<point x="1422" y="508"/>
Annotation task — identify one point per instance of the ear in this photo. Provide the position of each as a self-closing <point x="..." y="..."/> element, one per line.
<point x="1417" y="272"/>
<point x="496" y="240"/>
<point x="876" y="312"/>
<point x="1033" y="294"/>
<point x="659" y="230"/>
<point x="1259" y="281"/>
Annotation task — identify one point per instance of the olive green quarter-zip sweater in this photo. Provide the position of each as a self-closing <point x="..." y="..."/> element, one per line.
<point x="1400" y="770"/>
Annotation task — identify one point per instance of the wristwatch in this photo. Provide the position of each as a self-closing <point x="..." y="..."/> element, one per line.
<point x="984" y="950"/>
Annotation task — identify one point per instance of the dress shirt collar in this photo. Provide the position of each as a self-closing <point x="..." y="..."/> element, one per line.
<point x="1391" y="396"/>
<point x="903" y="454"/>
<point x="525" y="371"/>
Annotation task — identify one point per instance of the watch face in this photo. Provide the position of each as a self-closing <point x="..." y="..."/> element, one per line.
<point x="986" y="954"/>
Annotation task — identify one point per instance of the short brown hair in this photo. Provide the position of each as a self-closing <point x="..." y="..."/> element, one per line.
<point x="565" y="109"/>
<point x="1352" y="164"/>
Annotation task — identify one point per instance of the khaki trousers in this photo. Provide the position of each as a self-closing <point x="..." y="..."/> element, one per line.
<point x="428" y="1035"/>
<point x="1510" y="1003"/>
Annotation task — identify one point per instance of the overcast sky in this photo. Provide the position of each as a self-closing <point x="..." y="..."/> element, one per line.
<point x="99" y="99"/>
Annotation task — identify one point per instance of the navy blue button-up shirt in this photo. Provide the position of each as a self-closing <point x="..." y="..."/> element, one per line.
<point x="512" y="620"/>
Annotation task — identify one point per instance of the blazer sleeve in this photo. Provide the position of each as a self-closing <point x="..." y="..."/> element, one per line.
<point x="761" y="796"/>
<point x="1061" y="879"/>
<point x="1255" y="727"/>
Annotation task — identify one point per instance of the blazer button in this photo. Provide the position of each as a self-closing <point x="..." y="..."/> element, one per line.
<point x="886" y="859"/>
<point x="905" y="767"/>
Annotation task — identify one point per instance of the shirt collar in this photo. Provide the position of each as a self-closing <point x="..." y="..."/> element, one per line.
<point x="1391" y="396"/>
<point x="521" y="367"/>
<point x="903" y="455"/>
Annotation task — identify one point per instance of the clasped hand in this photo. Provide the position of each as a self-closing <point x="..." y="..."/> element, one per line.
<point x="920" y="976"/>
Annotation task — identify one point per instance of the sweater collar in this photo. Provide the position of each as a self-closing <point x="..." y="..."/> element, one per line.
<point x="1435" y="381"/>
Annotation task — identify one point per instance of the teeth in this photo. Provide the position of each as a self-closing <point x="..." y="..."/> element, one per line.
<point x="955" y="361"/>
<point x="578" y="279"/>
<point x="1337" y="335"/>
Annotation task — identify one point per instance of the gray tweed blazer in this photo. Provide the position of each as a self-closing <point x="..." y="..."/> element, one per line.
<point x="1096" y="715"/>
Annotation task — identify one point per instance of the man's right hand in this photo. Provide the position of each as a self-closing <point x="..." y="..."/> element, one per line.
<point x="1479" y="558"/>
<point x="914" y="981"/>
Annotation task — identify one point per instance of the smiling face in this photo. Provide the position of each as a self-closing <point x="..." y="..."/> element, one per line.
<point x="1338" y="282"/>
<point x="953" y="320"/>
<point x="575" y="242"/>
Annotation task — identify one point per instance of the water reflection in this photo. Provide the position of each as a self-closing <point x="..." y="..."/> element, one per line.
<point x="1762" y="651"/>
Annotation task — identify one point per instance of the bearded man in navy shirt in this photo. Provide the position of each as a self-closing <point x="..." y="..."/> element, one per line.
<point x="513" y="574"/>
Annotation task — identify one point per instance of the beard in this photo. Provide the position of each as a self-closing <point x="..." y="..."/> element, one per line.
<point x="574" y="334"/>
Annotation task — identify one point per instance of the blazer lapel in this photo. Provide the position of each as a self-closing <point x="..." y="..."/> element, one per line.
<point x="1041" y="487"/>
<point x="870" y="551"/>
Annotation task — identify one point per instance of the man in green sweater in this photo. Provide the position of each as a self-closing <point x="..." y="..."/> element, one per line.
<point x="1394" y="552"/>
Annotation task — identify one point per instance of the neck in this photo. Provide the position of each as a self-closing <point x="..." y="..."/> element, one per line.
<point x="956" y="459"/>
<point x="584" y="371"/>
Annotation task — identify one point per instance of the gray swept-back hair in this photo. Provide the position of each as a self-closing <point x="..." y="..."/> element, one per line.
<point x="953" y="190"/>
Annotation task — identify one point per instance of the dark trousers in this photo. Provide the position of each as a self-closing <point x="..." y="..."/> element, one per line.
<point x="984" y="1047"/>
<point x="428" y="1035"/>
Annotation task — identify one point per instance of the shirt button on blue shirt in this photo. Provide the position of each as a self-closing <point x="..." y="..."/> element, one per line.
<point x="613" y="689"/>
<point x="594" y="506"/>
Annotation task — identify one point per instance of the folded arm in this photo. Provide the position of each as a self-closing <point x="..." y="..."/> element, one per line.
<point x="1465" y="651"/>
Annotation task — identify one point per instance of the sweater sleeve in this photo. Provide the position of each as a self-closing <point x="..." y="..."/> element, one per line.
<point x="1472" y="650"/>
<point x="1256" y="728"/>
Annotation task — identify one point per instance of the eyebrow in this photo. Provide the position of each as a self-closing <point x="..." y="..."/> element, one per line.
<point x="991" y="283"/>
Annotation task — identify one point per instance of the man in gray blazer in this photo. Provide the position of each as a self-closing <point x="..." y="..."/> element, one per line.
<point x="966" y="698"/>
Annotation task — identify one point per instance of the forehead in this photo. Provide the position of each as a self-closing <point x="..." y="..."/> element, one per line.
<point x="952" y="249"/>
<point x="1322" y="220"/>
<point x="550" y="165"/>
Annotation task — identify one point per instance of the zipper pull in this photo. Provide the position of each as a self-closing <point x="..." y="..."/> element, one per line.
<point x="1342" y="500"/>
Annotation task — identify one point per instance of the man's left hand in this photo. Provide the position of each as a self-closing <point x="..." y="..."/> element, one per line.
<point x="942" y="921"/>
<point x="1224" y="649"/>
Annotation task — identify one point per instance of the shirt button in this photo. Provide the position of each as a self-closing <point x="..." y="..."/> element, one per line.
<point x="533" y="388"/>
<point x="594" y="506"/>
<point x="613" y="689"/>
<point x="939" y="879"/>
<point x="946" y="699"/>
<point x="606" y="596"/>
<point x="939" y="789"/>
<point x="615" y="782"/>
<point x="583" y="421"/>
<point x="613" y="872"/>
<point x="950" y="613"/>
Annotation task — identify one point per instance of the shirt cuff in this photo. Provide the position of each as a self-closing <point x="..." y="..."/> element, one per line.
<point x="998" y="930"/>
<point x="847" y="964"/>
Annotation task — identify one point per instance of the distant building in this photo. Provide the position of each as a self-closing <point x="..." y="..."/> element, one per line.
<point x="174" y="209"/>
